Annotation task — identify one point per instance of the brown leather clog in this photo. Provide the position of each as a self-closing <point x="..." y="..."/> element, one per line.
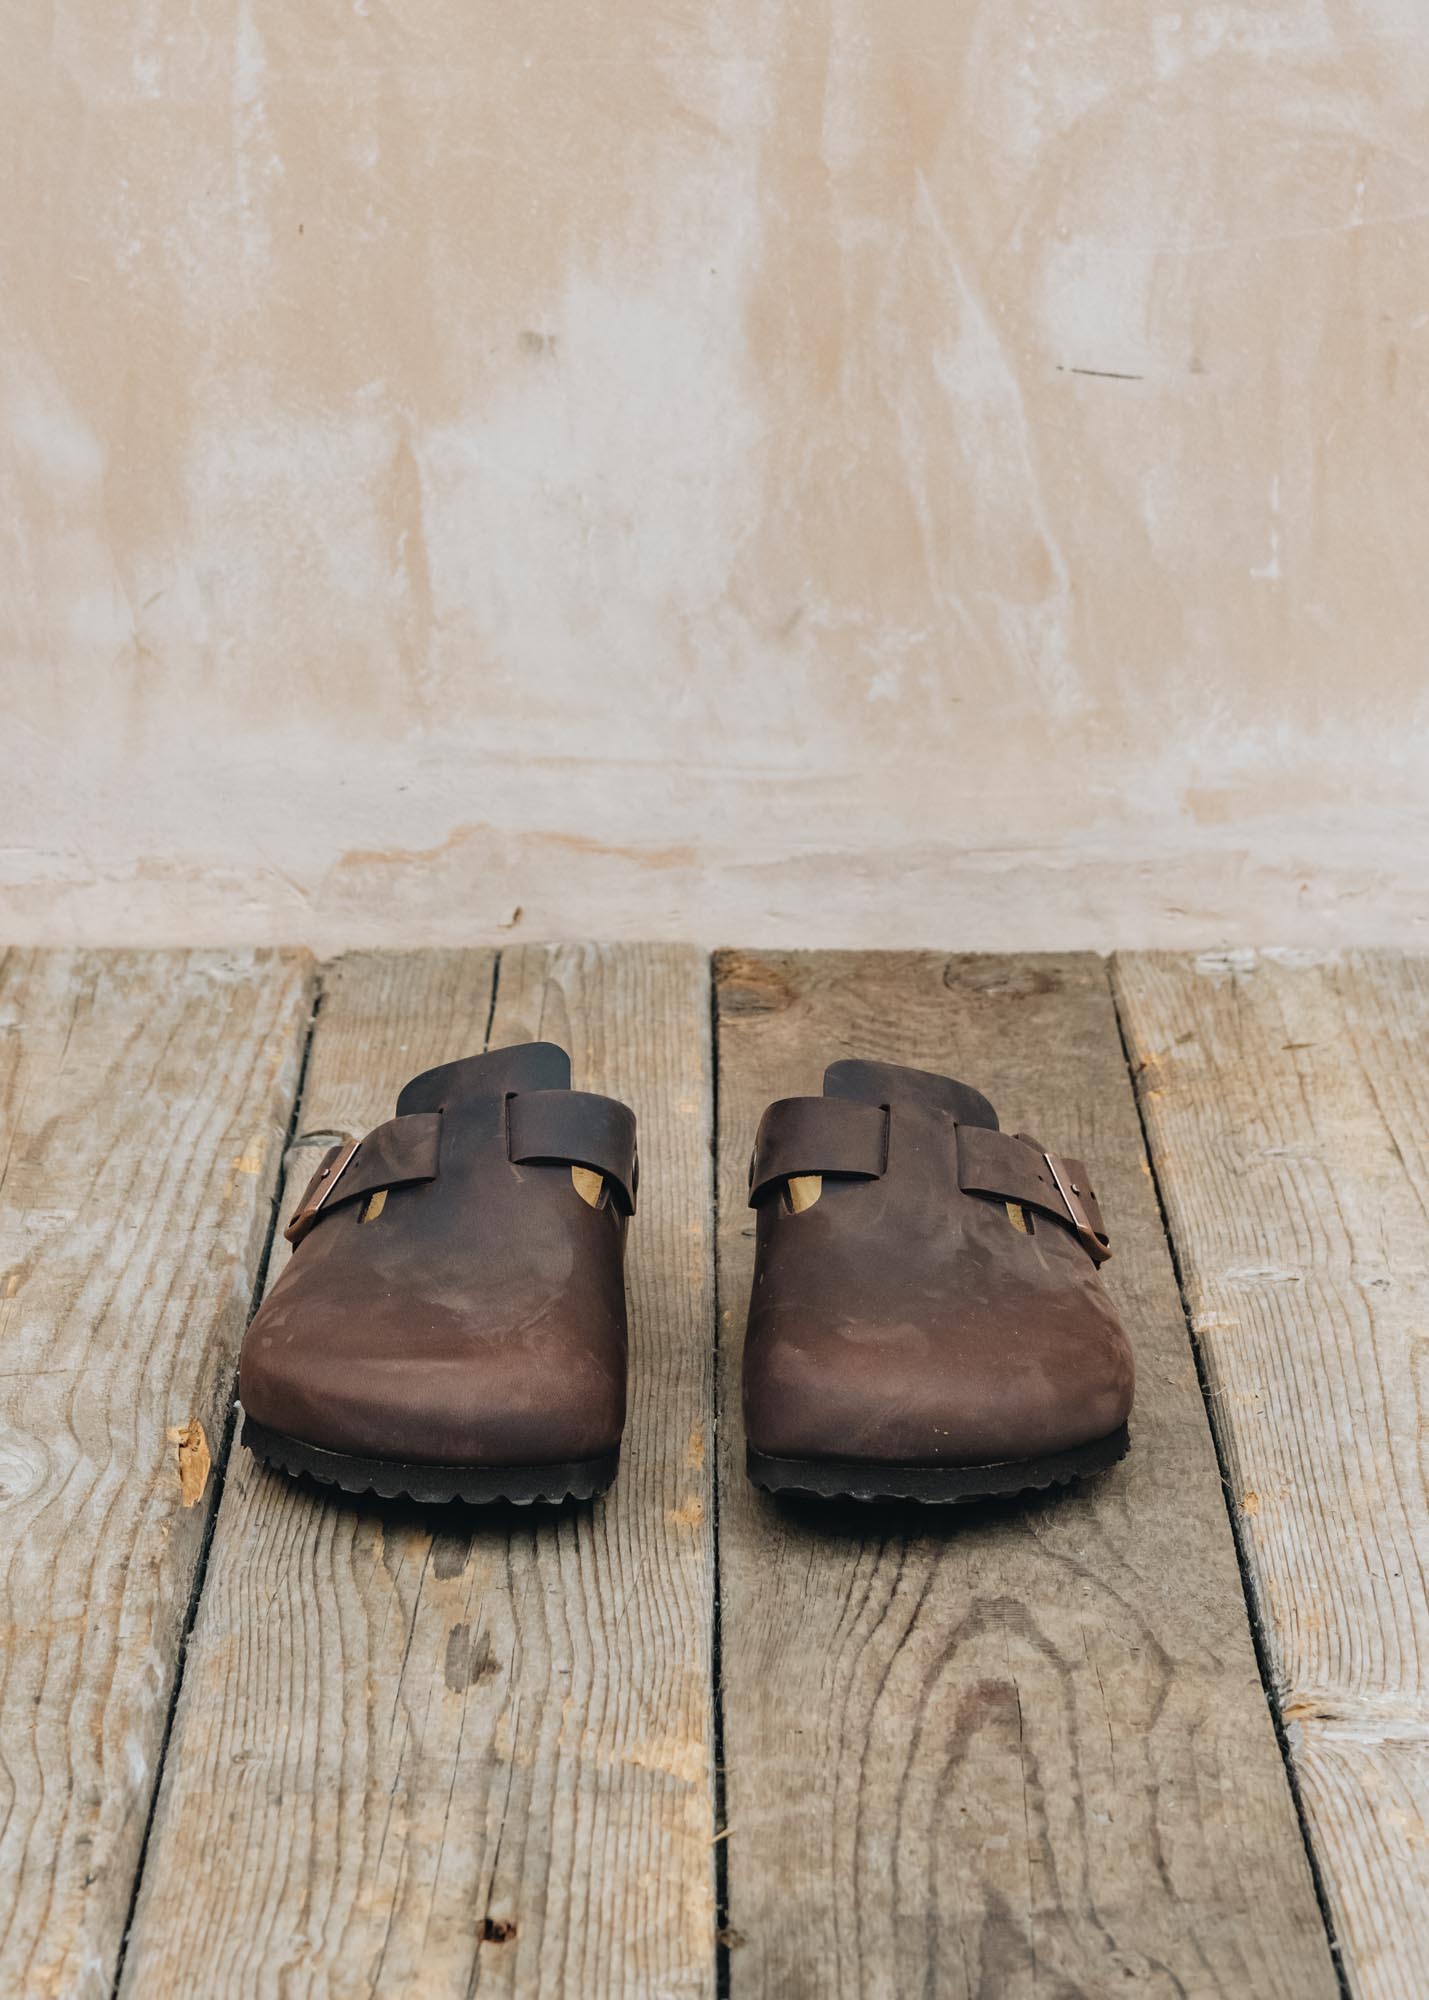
<point x="927" y="1322"/>
<point x="451" y="1324"/>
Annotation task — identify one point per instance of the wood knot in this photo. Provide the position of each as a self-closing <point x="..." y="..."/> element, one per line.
<point x="989" y="977"/>
<point x="748" y="984"/>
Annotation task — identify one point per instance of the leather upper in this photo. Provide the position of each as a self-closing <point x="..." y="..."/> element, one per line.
<point x="479" y="1318"/>
<point x="904" y="1317"/>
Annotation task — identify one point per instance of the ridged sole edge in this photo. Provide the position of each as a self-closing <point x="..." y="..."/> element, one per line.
<point x="932" y="1485"/>
<point x="432" y="1485"/>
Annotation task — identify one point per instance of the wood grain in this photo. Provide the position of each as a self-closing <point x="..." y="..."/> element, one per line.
<point x="1014" y="1750"/>
<point x="143" y="1102"/>
<point x="432" y="1755"/>
<point x="1286" y="1096"/>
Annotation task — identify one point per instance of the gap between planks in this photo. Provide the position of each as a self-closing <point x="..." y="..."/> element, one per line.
<point x="218" y="1476"/>
<point x="724" y="1937"/>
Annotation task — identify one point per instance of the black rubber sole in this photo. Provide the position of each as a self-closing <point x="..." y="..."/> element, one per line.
<point x="857" y="1479"/>
<point x="433" y="1485"/>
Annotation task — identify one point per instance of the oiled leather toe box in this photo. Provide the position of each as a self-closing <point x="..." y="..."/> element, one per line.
<point x="422" y="1385"/>
<point x="960" y="1387"/>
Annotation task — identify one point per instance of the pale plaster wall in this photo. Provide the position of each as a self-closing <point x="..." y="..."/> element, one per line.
<point x="871" y="471"/>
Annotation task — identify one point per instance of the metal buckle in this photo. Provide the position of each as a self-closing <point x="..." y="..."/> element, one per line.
<point x="1072" y="1196"/>
<point x="319" y="1190"/>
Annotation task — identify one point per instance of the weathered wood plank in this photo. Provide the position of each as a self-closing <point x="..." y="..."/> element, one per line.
<point x="1286" y="1096"/>
<point x="410" y="1761"/>
<point x="143" y="1102"/>
<point x="1018" y="1750"/>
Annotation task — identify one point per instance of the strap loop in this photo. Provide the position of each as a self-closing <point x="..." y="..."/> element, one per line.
<point x="577" y="1127"/>
<point x="818" y="1135"/>
<point x="1015" y="1169"/>
<point x="402" y="1151"/>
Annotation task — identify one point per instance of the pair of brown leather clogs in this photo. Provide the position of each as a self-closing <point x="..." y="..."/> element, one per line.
<point x="927" y="1320"/>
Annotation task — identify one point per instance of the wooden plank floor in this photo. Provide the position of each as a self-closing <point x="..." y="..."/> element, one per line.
<point x="690" y="1741"/>
<point x="1023" y="1751"/>
<point x="143" y="1102"/>
<point x="426" y="1758"/>
<point x="1287" y="1102"/>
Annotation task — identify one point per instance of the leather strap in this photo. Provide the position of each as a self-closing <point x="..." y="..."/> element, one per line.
<point x="580" y="1128"/>
<point x="818" y="1135"/>
<point x="1014" y="1169"/>
<point x="402" y="1151"/>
